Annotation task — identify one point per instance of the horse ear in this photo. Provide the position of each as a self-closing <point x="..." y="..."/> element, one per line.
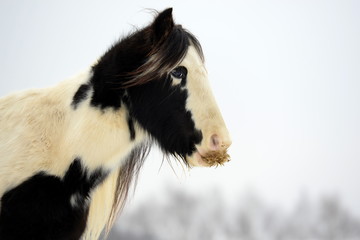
<point x="163" y="25"/>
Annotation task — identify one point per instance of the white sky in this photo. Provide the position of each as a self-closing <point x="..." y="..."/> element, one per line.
<point x="286" y="75"/>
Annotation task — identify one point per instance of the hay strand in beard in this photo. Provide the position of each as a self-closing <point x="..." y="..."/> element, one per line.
<point x="216" y="158"/>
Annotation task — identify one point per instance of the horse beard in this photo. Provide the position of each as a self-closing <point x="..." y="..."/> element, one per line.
<point x="216" y="158"/>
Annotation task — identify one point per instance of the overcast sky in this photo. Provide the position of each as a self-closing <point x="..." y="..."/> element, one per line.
<point x="286" y="75"/>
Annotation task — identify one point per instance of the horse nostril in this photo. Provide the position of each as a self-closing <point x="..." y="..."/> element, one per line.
<point x="218" y="143"/>
<point x="215" y="142"/>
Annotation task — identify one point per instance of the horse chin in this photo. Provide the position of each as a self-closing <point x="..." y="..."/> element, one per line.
<point x="196" y="160"/>
<point x="213" y="158"/>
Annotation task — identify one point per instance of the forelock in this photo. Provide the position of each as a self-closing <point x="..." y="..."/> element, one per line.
<point x="164" y="57"/>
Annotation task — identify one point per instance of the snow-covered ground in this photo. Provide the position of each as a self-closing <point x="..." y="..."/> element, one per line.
<point x="185" y="216"/>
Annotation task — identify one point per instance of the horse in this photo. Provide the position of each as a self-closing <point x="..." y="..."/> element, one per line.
<point x="70" y="152"/>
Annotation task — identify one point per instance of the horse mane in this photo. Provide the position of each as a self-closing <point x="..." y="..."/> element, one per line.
<point x="158" y="56"/>
<point x="128" y="175"/>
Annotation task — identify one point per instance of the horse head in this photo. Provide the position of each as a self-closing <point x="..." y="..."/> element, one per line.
<point x="164" y="84"/>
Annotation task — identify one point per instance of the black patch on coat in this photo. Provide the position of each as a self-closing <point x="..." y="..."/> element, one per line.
<point x="40" y="208"/>
<point x="105" y="95"/>
<point x="80" y="95"/>
<point x="161" y="111"/>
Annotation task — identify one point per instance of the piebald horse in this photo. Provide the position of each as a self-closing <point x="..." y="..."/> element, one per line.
<point x="68" y="153"/>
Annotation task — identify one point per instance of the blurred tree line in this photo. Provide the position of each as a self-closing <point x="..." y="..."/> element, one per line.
<point x="184" y="216"/>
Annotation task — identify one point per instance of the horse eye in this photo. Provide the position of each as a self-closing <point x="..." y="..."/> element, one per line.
<point x="179" y="72"/>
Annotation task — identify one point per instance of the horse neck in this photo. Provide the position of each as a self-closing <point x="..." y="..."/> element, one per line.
<point x="99" y="129"/>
